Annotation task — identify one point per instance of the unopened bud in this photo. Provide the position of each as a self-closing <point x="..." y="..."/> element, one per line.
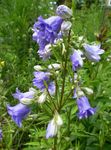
<point x="64" y="11"/>
<point x="88" y="91"/>
<point x="42" y="98"/>
<point x="66" y="25"/>
<point x="38" y="68"/>
<point x="26" y="101"/>
<point x="54" y="66"/>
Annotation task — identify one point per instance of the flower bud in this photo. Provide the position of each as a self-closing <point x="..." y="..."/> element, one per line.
<point x="63" y="11"/>
<point x="54" y="66"/>
<point x="26" y="101"/>
<point x="58" y="119"/>
<point x="88" y="91"/>
<point x="42" y="98"/>
<point x="38" y="68"/>
<point x="65" y="27"/>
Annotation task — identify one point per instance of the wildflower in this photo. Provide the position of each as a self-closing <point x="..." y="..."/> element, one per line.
<point x="76" y="59"/>
<point x="40" y="78"/>
<point x="1" y="135"/>
<point x="93" y="51"/>
<point x="64" y="11"/>
<point x="46" y="30"/>
<point x="53" y="126"/>
<point x="85" y="110"/>
<point x="19" y="95"/>
<point x="18" y="113"/>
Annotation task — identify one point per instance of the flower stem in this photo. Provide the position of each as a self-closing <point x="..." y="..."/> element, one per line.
<point x="64" y="73"/>
<point x="55" y="143"/>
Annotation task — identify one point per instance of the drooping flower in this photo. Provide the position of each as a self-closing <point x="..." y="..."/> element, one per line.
<point x="64" y="11"/>
<point x="19" y="95"/>
<point x="93" y="52"/>
<point x="1" y="135"/>
<point x="85" y="110"/>
<point x="53" y="126"/>
<point x="76" y="59"/>
<point x="18" y="113"/>
<point x="40" y="78"/>
<point x="46" y="30"/>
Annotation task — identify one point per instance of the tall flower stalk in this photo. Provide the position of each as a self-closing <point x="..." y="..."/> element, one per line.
<point x="58" y="83"/>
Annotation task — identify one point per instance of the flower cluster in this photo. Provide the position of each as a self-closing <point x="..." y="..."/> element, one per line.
<point x="47" y="31"/>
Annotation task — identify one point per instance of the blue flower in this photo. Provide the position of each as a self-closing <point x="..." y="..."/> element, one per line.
<point x="40" y="78"/>
<point x="18" y="113"/>
<point x="85" y="110"/>
<point x="76" y="59"/>
<point x="46" y="30"/>
<point x="1" y="136"/>
<point x="19" y="95"/>
<point x="93" y="51"/>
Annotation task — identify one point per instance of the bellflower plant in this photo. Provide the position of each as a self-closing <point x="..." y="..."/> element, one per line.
<point x="60" y="84"/>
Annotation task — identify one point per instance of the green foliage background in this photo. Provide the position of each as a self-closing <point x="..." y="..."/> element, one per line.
<point x="19" y="54"/>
